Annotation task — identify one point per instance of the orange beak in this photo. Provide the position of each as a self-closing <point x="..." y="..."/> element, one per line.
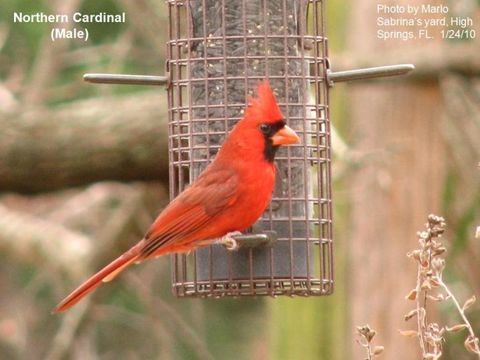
<point x="285" y="136"/>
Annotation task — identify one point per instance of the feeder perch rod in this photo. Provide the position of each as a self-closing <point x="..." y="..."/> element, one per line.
<point x="125" y="79"/>
<point x="247" y="241"/>
<point x="368" y="73"/>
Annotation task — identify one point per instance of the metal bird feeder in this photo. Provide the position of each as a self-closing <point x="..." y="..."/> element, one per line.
<point x="218" y="51"/>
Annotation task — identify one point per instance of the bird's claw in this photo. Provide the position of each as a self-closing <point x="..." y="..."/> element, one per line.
<point x="229" y="242"/>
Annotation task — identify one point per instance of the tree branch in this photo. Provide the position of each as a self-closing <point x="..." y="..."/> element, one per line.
<point x="121" y="138"/>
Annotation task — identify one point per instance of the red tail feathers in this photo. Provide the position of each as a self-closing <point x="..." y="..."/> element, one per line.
<point x="104" y="275"/>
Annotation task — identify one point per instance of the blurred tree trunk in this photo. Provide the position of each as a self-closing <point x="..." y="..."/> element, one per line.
<point x="396" y="127"/>
<point x="123" y="138"/>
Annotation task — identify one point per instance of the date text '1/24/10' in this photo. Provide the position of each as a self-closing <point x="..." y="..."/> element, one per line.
<point x="459" y="34"/>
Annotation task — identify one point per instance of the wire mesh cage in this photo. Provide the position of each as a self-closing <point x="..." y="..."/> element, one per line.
<point x="218" y="51"/>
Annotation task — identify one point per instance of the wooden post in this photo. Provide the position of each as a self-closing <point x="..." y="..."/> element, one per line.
<point x="396" y="129"/>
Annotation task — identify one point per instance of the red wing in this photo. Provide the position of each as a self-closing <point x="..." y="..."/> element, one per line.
<point x="196" y="207"/>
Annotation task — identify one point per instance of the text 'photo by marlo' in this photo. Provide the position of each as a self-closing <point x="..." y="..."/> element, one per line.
<point x="240" y="179"/>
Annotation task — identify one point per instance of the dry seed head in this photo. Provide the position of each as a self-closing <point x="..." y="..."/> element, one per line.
<point x="471" y="344"/>
<point x="438" y="297"/>
<point x="437" y="232"/>
<point x="431" y="356"/>
<point x="426" y="285"/>
<point x="366" y="332"/>
<point x="423" y="235"/>
<point x="378" y="350"/>
<point x="411" y="314"/>
<point x="438" y="264"/>
<point x="439" y="250"/>
<point x="434" y="334"/>
<point x="415" y="254"/>
<point x="456" y="328"/>
<point x="427" y="244"/>
<point x="436" y="220"/>
<point x="412" y="295"/>
<point x="424" y="262"/>
<point x="469" y="303"/>
<point x="434" y="282"/>
<point x="408" y="333"/>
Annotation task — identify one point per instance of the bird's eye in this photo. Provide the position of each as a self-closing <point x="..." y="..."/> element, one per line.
<point x="265" y="128"/>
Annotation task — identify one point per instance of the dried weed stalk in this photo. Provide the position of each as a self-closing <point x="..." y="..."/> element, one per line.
<point x="430" y="259"/>
<point x="366" y="335"/>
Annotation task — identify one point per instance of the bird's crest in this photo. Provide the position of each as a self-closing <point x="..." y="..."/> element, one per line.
<point x="264" y="107"/>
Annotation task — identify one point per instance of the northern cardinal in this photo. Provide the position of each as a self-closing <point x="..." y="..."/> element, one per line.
<point x="228" y="196"/>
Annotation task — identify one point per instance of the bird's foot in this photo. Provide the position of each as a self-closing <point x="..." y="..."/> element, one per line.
<point x="228" y="241"/>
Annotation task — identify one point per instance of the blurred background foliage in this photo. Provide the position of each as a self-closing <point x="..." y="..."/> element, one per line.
<point x="51" y="239"/>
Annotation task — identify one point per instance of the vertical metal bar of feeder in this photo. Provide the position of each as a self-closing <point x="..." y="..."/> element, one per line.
<point x="267" y="75"/>
<point x="205" y="128"/>
<point x="321" y="142"/>
<point x="287" y="110"/>
<point x="245" y="52"/>
<point x="183" y="163"/>
<point x="330" y="208"/>
<point x="188" y="51"/>
<point x="329" y="216"/>
<point x="308" y="192"/>
<point x="171" y="175"/>
<point x="225" y="96"/>
<point x="174" y="114"/>
<point x="182" y="137"/>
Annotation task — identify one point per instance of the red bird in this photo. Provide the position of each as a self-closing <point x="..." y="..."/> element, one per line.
<point x="229" y="195"/>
